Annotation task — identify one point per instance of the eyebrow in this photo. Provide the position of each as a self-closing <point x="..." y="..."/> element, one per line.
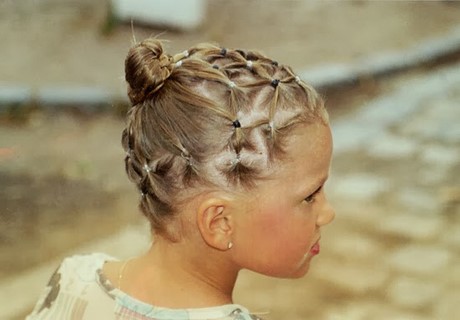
<point x="317" y="190"/>
<point x="320" y="184"/>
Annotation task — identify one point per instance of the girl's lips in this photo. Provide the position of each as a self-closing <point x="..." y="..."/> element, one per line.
<point x="315" y="249"/>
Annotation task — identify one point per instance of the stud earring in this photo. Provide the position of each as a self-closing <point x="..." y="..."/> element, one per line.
<point x="230" y="245"/>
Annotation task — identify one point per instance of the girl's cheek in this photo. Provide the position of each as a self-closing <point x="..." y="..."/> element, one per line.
<point x="273" y="218"/>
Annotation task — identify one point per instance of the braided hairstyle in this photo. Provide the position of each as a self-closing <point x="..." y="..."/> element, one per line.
<point x="207" y="117"/>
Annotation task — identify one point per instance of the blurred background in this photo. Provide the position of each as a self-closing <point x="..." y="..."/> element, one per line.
<point x="390" y="73"/>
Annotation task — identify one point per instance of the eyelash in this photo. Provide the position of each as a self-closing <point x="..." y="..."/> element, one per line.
<point x="311" y="198"/>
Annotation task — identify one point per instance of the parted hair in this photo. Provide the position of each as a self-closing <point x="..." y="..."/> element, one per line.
<point x="207" y="117"/>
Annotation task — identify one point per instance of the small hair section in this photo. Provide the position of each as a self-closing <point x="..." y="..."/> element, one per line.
<point x="147" y="68"/>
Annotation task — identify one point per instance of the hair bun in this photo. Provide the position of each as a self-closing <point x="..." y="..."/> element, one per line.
<point x="146" y="69"/>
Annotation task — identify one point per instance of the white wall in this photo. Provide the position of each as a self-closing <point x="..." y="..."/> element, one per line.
<point x="181" y="14"/>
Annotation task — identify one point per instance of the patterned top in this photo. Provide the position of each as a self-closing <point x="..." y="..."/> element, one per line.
<point x="79" y="291"/>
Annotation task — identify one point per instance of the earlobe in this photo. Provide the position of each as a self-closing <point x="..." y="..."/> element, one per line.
<point x="215" y="223"/>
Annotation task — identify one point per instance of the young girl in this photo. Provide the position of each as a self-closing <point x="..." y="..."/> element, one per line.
<point x="230" y="151"/>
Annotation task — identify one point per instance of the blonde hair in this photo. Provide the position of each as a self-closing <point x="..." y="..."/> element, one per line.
<point x="208" y="116"/>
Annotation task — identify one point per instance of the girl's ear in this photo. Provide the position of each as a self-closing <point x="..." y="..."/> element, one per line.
<point x="215" y="222"/>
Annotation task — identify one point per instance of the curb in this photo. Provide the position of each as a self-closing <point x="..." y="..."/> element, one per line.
<point x="431" y="50"/>
<point x="97" y="99"/>
<point x="55" y="98"/>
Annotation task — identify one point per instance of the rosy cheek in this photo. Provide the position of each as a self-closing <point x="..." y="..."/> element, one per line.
<point x="273" y="218"/>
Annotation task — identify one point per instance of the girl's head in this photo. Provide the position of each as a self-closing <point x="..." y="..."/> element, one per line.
<point x="211" y="119"/>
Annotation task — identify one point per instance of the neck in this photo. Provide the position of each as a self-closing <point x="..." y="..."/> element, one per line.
<point x="178" y="275"/>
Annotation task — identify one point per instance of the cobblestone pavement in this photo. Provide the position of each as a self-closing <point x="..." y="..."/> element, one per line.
<point x="397" y="252"/>
<point x="393" y="251"/>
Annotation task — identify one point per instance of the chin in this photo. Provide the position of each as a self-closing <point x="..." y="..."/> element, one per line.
<point x="300" y="273"/>
<point x="297" y="273"/>
<point x="301" y="270"/>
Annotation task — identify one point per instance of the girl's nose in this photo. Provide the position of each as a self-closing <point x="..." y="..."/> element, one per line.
<point x="326" y="215"/>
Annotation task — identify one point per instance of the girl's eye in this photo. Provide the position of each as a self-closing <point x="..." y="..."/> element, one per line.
<point x="311" y="198"/>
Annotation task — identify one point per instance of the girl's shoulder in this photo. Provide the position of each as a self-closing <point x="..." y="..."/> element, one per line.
<point x="77" y="272"/>
<point x="84" y="267"/>
<point x="73" y="285"/>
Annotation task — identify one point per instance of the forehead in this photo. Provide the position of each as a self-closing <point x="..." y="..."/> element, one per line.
<point x="308" y="156"/>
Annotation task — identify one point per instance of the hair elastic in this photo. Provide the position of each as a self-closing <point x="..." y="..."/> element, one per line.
<point x="144" y="190"/>
<point x="186" y="156"/>
<point x="249" y="64"/>
<point x="275" y="83"/>
<point x="231" y="84"/>
<point x="236" y="124"/>
<point x="275" y="63"/>
<point x="236" y="160"/>
<point x="297" y="79"/>
<point x="223" y="52"/>
<point x="215" y="66"/>
<point x="179" y="63"/>
<point x="185" y="53"/>
<point x="147" y="168"/>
